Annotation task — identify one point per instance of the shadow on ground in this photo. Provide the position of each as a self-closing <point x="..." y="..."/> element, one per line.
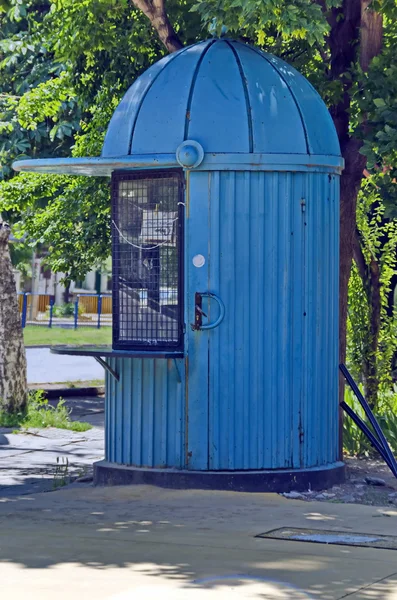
<point x="203" y="538"/>
<point x="3" y="440"/>
<point x="43" y="459"/>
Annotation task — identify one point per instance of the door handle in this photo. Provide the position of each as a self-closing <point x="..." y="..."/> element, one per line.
<point x="199" y="313"/>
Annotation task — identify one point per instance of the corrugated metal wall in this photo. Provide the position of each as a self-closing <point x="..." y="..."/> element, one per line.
<point x="273" y="363"/>
<point x="261" y="390"/>
<point x="145" y="413"/>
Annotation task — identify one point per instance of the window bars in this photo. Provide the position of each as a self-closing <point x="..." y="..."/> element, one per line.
<point x="147" y="233"/>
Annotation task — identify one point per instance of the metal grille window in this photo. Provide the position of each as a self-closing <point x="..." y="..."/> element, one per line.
<point x="147" y="228"/>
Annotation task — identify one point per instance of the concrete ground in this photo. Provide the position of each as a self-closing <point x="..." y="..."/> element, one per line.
<point x="140" y="542"/>
<point x="43" y="459"/>
<point x="44" y="367"/>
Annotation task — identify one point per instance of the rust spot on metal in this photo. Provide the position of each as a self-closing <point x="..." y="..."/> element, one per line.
<point x="188" y="115"/>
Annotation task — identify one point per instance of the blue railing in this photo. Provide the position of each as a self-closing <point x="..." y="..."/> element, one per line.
<point x="91" y="316"/>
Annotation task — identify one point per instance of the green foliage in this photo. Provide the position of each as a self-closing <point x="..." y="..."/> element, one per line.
<point x="376" y="98"/>
<point x="50" y="100"/>
<point x="39" y="415"/>
<point x="255" y="18"/>
<point x="70" y="216"/>
<point x="358" y="335"/>
<point x="32" y="84"/>
<point x="81" y="58"/>
<point x="21" y="257"/>
<point x="61" y="475"/>
<point x="66" y="310"/>
<point x="378" y="236"/>
<point x="299" y="33"/>
<point x="355" y="443"/>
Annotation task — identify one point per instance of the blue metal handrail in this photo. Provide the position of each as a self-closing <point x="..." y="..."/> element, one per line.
<point x="378" y="441"/>
<point x="52" y="304"/>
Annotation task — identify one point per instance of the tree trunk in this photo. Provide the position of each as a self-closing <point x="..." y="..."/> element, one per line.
<point x="371" y="34"/>
<point x="371" y="373"/>
<point x="156" y="12"/>
<point x="343" y="43"/>
<point x="66" y="293"/>
<point x="356" y="34"/>
<point x="13" y="384"/>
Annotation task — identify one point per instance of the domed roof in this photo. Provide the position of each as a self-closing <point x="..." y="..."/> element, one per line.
<point x="229" y="97"/>
<point x="233" y="106"/>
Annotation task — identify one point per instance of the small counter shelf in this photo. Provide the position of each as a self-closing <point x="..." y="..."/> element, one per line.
<point x="102" y="352"/>
<point x="109" y="352"/>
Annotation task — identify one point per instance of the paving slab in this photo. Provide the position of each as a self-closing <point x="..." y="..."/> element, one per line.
<point x="39" y="460"/>
<point x="385" y="589"/>
<point x="142" y="542"/>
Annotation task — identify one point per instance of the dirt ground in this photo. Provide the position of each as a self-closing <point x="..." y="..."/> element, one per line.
<point x="357" y="489"/>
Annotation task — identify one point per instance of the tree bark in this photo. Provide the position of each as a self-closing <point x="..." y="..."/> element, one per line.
<point x="343" y="42"/>
<point x="13" y="384"/>
<point x="156" y="12"/>
<point x="66" y="293"/>
<point x="371" y="34"/>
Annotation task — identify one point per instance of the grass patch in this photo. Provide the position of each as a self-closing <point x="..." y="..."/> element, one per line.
<point x="80" y="383"/>
<point x="38" y="335"/>
<point x="39" y="415"/>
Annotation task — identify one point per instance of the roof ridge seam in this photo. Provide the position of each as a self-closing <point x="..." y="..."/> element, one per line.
<point x="246" y="96"/>
<point x="263" y="55"/>
<point x="172" y="57"/>
<point x="210" y="43"/>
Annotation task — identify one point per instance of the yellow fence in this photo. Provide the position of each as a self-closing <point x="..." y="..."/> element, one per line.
<point x="41" y="303"/>
<point x="107" y="305"/>
<point x="90" y="304"/>
<point x="44" y="302"/>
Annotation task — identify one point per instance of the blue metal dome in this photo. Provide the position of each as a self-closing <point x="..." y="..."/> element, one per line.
<point x="234" y="106"/>
<point x="229" y="97"/>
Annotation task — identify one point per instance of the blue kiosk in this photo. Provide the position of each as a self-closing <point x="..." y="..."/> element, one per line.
<point x="223" y="373"/>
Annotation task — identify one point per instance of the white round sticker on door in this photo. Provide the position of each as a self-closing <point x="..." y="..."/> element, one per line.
<point x="198" y="260"/>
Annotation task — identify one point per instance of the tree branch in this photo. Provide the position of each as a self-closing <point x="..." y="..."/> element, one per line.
<point x="156" y="12"/>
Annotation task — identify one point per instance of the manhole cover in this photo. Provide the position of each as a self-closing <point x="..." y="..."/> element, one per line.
<point x="340" y="538"/>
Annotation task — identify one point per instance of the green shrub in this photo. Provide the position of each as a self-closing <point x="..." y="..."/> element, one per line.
<point x="39" y="414"/>
<point x="355" y="442"/>
<point x="65" y="310"/>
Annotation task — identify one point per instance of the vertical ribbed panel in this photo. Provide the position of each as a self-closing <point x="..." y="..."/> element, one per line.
<point x="145" y="413"/>
<point x="262" y="388"/>
<point x="272" y="242"/>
